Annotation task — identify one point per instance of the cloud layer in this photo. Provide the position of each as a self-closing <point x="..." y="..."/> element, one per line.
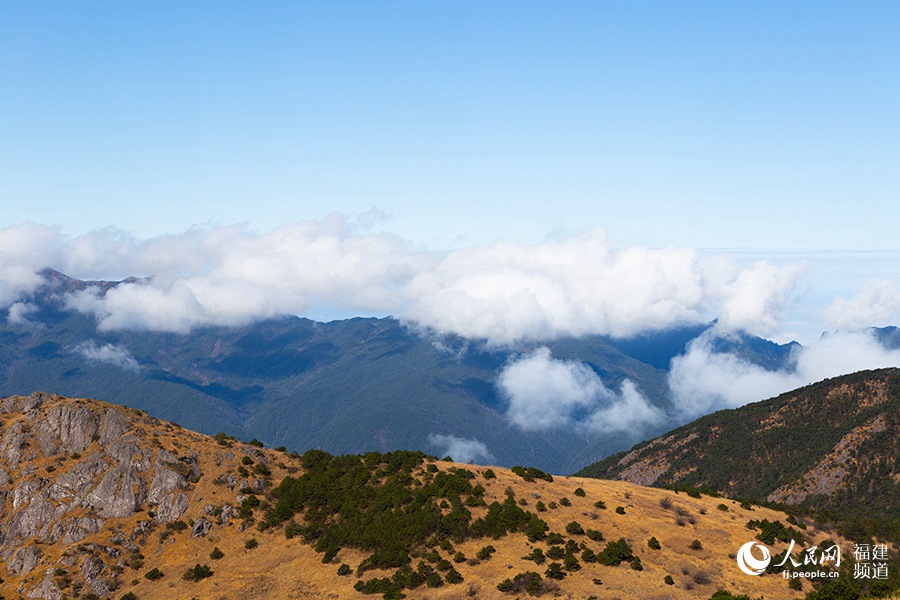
<point x="501" y="292"/>
<point x="546" y="393"/>
<point x="702" y="380"/>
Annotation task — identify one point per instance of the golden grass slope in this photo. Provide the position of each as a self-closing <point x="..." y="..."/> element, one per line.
<point x="287" y="568"/>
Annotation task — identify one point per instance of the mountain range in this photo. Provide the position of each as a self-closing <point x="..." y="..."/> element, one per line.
<point x="350" y="385"/>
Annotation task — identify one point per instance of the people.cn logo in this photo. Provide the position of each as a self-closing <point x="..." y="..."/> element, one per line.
<point x="748" y="563"/>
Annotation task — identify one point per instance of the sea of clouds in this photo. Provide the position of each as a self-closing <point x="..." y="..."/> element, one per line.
<point x="501" y="293"/>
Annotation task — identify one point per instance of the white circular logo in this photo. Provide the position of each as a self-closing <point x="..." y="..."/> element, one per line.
<point x="748" y="563"/>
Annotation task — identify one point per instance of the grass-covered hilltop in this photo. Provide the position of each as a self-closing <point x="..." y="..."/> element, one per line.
<point x="102" y="501"/>
<point x="832" y="448"/>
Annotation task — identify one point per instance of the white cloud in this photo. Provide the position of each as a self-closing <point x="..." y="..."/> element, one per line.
<point x="501" y="292"/>
<point x="546" y="393"/>
<point x="877" y="303"/>
<point x="703" y="380"/>
<point x="758" y="297"/>
<point x="18" y="314"/>
<point x="628" y="411"/>
<point x="461" y="449"/>
<point x="109" y="354"/>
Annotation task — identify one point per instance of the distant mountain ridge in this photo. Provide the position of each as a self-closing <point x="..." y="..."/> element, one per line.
<point x="833" y="445"/>
<point x="345" y="386"/>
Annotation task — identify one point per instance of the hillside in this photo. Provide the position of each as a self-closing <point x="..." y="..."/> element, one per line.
<point x="351" y="385"/>
<point x="104" y="501"/>
<point x="833" y="445"/>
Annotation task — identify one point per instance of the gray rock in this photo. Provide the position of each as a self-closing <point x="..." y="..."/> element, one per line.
<point x="33" y="520"/>
<point x="126" y="452"/>
<point x="24" y="404"/>
<point x="25" y="491"/>
<point x="227" y="511"/>
<point x="201" y="528"/>
<point x="74" y="425"/>
<point x="47" y="590"/>
<point x="119" y="494"/>
<point x="74" y="529"/>
<point x="91" y="567"/>
<point x="113" y="426"/>
<point x="165" y="479"/>
<point x="13" y="444"/>
<point x="172" y="507"/>
<point x="24" y="560"/>
<point x="73" y="487"/>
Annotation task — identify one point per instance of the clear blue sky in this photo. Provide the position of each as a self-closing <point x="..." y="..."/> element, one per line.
<point x="703" y="124"/>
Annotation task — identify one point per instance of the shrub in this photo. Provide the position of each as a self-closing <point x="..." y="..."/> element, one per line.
<point x="128" y="596"/>
<point x="615" y="553"/>
<point x="653" y="543"/>
<point x="600" y="504"/>
<point x="489" y="474"/>
<point x="247" y="461"/>
<point x="251" y="544"/>
<point x="574" y="528"/>
<point x="665" y="502"/>
<point x="255" y="443"/>
<point x="216" y="554"/>
<point x="636" y="564"/>
<point x="620" y="510"/>
<point x="531" y="473"/>
<point x="485" y="553"/>
<point x="580" y="492"/>
<point x="154" y="574"/>
<point x="722" y="507"/>
<point x="555" y="552"/>
<point x="453" y="576"/>
<point x="565" y="502"/>
<point x="540" y="506"/>
<point x="198" y="572"/>
<point x="795" y="584"/>
<point x="459" y="557"/>
<point x="594" y="535"/>
<point x="696" y="545"/>
<point x="536" y="555"/>
<point x="668" y="580"/>
<point x="555" y="571"/>
<point x="529" y="582"/>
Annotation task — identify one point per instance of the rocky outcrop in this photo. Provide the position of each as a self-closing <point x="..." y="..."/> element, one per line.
<point x="89" y="490"/>
<point x="69" y="466"/>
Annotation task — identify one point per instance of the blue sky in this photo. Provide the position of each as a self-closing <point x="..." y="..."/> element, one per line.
<point x="705" y="124"/>
<point x="756" y="130"/>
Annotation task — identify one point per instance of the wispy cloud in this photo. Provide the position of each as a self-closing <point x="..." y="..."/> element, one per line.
<point x="109" y="354"/>
<point x="461" y="449"/>
<point x="19" y="312"/>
